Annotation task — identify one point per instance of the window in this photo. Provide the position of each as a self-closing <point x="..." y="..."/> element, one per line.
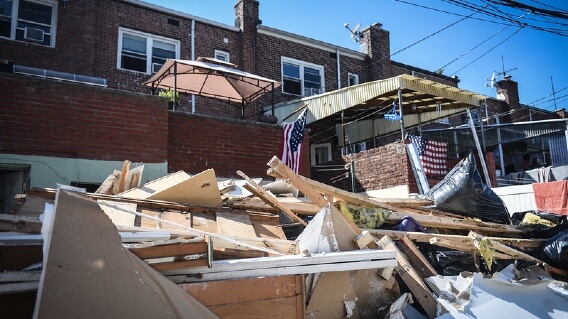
<point x="354" y="148"/>
<point x="143" y="52"/>
<point x="353" y="79"/>
<point x="320" y="153"/>
<point x="222" y="55"/>
<point x="301" y="78"/>
<point x="28" y="21"/>
<point x="444" y="120"/>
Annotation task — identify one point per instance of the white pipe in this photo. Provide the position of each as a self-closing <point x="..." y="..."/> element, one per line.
<point x="193" y="59"/>
<point x="338" y="70"/>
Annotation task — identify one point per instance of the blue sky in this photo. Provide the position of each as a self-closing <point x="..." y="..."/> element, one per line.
<point x="530" y="56"/>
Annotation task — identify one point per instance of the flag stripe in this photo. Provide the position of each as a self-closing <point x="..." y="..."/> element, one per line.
<point x="433" y="155"/>
<point x="292" y="139"/>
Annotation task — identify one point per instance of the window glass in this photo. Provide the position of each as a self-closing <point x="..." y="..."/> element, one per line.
<point x="353" y="79"/>
<point x="34" y="22"/>
<point x="34" y="12"/>
<point x="143" y="52"/>
<point x="301" y="78"/>
<point x="5" y="18"/>
<point x="222" y="55"/>
<point x="322" y="154"/>
<point x="160" y="53"/>
<point x="291" y="70"/>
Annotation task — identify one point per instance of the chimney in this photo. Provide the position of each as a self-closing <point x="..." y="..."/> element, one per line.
<point x="247" y="19"/>
<point x="508" y="91"/>
<point x="376" y="44"/>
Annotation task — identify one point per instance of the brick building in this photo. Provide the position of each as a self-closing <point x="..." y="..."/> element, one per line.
<point x="76" y="106"/>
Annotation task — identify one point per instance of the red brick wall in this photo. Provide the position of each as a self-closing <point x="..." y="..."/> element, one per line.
<point x="198" y="142"/>
<point x="50" y="118"/>
<point x="382" y="167"/>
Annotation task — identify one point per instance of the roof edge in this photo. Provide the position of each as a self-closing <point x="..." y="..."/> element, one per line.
<point x="310" y="42"/>
<point x="181" y="14"/>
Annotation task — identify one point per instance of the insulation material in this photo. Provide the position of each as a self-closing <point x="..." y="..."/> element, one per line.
<point x="88" y="274"/>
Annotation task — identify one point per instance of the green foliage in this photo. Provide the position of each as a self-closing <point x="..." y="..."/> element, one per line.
<point x="169" y="94"/>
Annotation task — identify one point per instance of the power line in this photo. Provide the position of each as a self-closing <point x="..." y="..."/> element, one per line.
<point x="487" y="52"/>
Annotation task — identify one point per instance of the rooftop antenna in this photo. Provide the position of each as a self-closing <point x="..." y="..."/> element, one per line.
<point x="356" y="35"/>
<point x="496" y="76"/>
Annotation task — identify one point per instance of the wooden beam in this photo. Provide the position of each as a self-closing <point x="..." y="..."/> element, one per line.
<point x="456" y="223"/>
<point x="526" y="244"/>
<point x="346" y="196"/>
<point x="123" y="176"/>
<point x="160" y="251"/>
<point x="309" y="192"/>
<point x="412" y="279"/>
<point x="416" y="258"/>
<point x="20" y="223"/>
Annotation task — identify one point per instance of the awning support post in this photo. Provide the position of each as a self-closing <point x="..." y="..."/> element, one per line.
<point x="401" y="115"/>
<point x="175" y="86"/>
<point x="479" y="151"/>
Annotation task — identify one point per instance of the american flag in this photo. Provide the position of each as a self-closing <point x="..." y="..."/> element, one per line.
<point x="432" y="155"/>
<point x="292" y="142"/>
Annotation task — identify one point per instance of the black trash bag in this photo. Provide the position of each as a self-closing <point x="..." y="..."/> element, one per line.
<point x="540" y="230"/>
<point x="449" y="262"/>
<point x="463" y="192"/>
<point x="555" y="251"/>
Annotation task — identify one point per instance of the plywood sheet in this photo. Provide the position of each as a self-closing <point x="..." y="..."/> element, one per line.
<point x="85" y="255"/>
<point x="333" y="297"/>
<point x="156" y="186"/>
<point x="200" y="189"/>
<point x="268" y="229"/>
<point x="119" y="217"/>
<point x="235" y="225"/>
<point x="267" y="297"/>
<point x="204" y="222"/>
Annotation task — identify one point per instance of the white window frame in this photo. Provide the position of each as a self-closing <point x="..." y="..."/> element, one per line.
<point x="302" y="64"/>
<point x="14" y="21"/>
<point x="313" y="152"/>
<point x="225" y="54"/>
<point x="353" y="76"/>
<point x="149" y="44"/>
<point x="444" y="120"/>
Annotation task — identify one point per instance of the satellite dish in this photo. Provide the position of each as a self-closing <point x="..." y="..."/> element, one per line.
<point x="355" y="33"/>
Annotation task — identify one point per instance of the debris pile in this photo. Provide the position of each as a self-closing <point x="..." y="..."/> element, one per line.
<point x="191" y="246"/>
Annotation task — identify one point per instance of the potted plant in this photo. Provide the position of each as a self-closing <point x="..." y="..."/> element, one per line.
<point x="169" y="94"/>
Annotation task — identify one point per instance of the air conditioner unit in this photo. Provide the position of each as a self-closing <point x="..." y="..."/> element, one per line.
<point x="156" y="67"/>
<point x="33" y="34"/>
<point x="311" y="91"/>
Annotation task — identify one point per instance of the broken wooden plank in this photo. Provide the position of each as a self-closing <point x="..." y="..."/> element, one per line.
<point x="363" y="239"/>
<point x="293" y="204"/>
<point x="123" y="176"/>
<point x="456" y="223"/>
<point x="525" y="244"/>
<point x="270" y="199"/>
<point x="346" y="196"/>
<point x="201" y="189"/>
<point x="156" y="186"/>
<point x="20" y="223"/>
<point x="180" y="264"/>
<point x="196" y="231"/>
<point x="107" y="185"/>
<point x="309" y="192"/>
<point x="412" y="279"/>
<point x="235" y="226"/>
<point x="169" y="250"/>
<point x="416" y="258"/>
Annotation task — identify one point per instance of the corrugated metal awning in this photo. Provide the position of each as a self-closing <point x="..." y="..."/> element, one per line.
<point x="422" y="100"/>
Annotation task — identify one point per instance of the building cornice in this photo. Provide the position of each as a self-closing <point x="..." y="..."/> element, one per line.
<point x="181" y="14"/>
<point x="310" y="42"/>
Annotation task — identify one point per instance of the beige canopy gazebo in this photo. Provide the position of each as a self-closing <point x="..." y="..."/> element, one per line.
<point x="213" y="79"/>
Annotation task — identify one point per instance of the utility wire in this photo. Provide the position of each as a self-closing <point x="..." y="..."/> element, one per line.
<point x="487" y="52"/>
<point x="478" y="45"/>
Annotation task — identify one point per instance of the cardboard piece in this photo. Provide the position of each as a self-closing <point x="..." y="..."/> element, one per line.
<point x="156" y="186"/>
<point x="88" y="274"/>
<point x="200" y="189"/>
